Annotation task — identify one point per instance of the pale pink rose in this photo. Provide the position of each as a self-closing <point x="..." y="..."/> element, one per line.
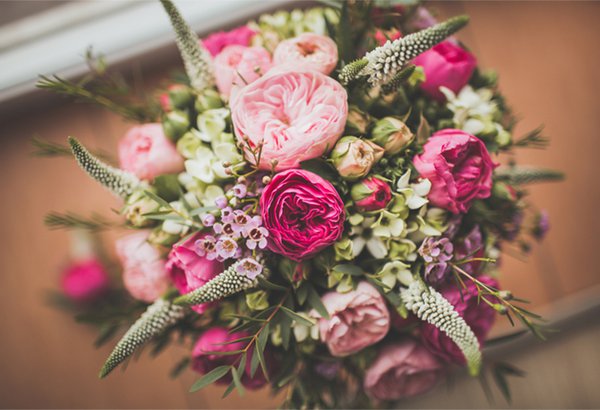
<point x="237" y="66"/>
<point x="297" y="116"/>
<point x="144" y="273"/>
<point x="218" y="41"/>
<point x="146" y="152"/>
<point x="401" y="370"/>
<point x="358" y="319"/>
<point x="309" y="50"/>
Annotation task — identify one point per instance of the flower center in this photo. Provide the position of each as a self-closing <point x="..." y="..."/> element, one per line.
<point x="307" y="49"/>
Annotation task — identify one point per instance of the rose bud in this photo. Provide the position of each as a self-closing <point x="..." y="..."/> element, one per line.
<point x="371" y="194"/>
<point x="208" y="100"/>
<point x="180" y="95"/>
<point x="392" y="134"/>
<point x="504" y="191"/>
<point x="353" y="157"/>
<point x="358" y="121"/>
<point x="175" y="124"/>
<point x="136" y="206"/>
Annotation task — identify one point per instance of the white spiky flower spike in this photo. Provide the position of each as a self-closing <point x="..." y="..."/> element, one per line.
<point x="429" y="305"/>
<point x="119" y="182"/>
<point x="157" y="317"/>
<point x="384" y="62"/>
<point x="229" y="282"/>
<point x="196" y="59"/>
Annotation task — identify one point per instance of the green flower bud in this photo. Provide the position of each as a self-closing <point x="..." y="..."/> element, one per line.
<point x="354" y="157"/>
<point x="257" y="300"/>
<point x="207" y="100"/>
<point x="136" y="206"/>
<point x="358" y="121"/>
<point x="175" y="124"/>
<point x="159" y="237"/>
<point x="401" y="249"/>
<point x="180" y="95"/>
<point x="392" y="134"/>
<point x="343" y="249"/>
<point x="189" y="144"/>
<point x="504" y="191"/>
<point x="503" y="138"/>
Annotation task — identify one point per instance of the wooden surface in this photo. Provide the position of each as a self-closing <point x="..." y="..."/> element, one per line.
<point x="547" y="56"/>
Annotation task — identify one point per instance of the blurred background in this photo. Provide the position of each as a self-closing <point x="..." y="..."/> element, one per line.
<point x="547" y="57"/>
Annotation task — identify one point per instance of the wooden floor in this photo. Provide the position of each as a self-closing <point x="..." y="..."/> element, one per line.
<point x="547" y="56"/>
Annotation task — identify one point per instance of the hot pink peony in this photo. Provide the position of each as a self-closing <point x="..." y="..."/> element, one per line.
<point x="401" y="370"/>
<point x="237" y="66"/>
<point x="296" y="115"/>
<point x="215" y="340"/>
<point x="146" y="152"/>
<point x="302" y="212"/>
<point x="189" y="271"/>
<point x="144" y="273"/>
<point x="85" y="280"/>
<point x="308" y="50"/>
<point x="459" y="168"/>
<point x="447" y="65"/>
<point x="478" y="315"/>
<point x="218" y="41"/>
<point x="358" y="319"/>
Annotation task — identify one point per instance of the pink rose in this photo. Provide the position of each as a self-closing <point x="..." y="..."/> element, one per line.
<point x="188" y="271"/>
<point x="401" y="370"/>
<point x="478" y="315"/>
<point x="85" y="280"/>
<point x="215" y="340"/>
<point x="459" y="168"/>
<point x="146" y="152"/>
<point x="237" y="66"/>
<point x="371" y="194"/>
<point x="296" y="115"/>
<point x="144" y="273"/>
<point x="218" y="41"/>
<point x="448" y="65"/>
<point x="302" y="212"/>
<point x="358" y="319"/>
<point x="309" y="50"/>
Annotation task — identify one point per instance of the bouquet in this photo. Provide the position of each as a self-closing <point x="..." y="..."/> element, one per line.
<point x="316" y="205"/>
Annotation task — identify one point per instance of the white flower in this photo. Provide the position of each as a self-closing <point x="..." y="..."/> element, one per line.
<point x="388" y="225"/>
<point x="416" y="193"/>
<point x="361" y="235"/>
<point x="211" y="123"/>
<point x="471" y="108"/>
<point x="176" y="227"/>
<point x="395" y="271"/>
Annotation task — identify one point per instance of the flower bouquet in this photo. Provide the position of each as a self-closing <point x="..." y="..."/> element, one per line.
<point x="316" y="207"/>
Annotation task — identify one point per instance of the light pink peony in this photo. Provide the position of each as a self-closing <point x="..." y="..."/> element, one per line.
<point x="297" y="115"/>
<point x="218" y="41"/>
<point x="237" y="66"/>
<point x="189" y="271"/>
<point x="85" y="280"/>
<point x="309" y="50"/>
<point x="358" y="319"/>
<point x="146" y="152"/>
<point x="447" y="65"/>
<point x="144" y="273"/>
<point x="302" y="212"/>
<point x="459" y="168"/>
<point x="401" y="370"/>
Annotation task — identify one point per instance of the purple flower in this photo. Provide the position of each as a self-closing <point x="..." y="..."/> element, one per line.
<point x="242" y="222"/>
<point x="471" y="246"/>
<point x="257" y="237"/>
<point x="240" y="190"/>
<point x="226" y="248"/>
<point x="542" y="225"/>
<point x="436" y="252"/>
<point x="208" y="220"/>
<point x="249" y="267"/>
<point x="225" y="229"/>
<point x="206" y="247"/>
<point x="221" y="202"/>
<point x="227" y="214"/>
<point x="328" y="370"/>
<point x="513" y="228"/>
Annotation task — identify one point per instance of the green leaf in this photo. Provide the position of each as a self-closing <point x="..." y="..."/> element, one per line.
<point x="157" y="199"/>
<point x="423" y="131"/>
<point x="295" y="316"/>
<point x="210" y="378"/>
<point x="351" y="270"/>
<point x="320" y="167"/>
<point x="180" y="367"/>
<point x="263" y="337"/>
<point x="270" y="285"/>
<point x="285" y="325"/>
<point x="201" y="210"/>
<point x="237" y="381"/>
<point x="315" y="301"/>
<point x="302" y="294"/>
<point x="228" y="390"/>
<point x="167" y="187"/>
<point x="500" y="371"/>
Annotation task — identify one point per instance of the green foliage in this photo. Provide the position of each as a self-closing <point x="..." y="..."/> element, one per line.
<point x="527" y="175"/>
<point x="69" y="220"/>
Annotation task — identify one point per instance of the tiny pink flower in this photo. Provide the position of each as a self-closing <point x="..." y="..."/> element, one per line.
<point x="206" y="246"/>
<point x="257" y="237"/>
<point x="226" y="248"/>
<point x="249" y="267"/>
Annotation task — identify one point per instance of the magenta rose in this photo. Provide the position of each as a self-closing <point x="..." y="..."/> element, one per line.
<point x="309" y="50"/>
<point x="302" y="212"/>
<point x="402" y="370"/>
<point x="358" y="319"/>
<point x="215" y="340"/>
<point x="189" y="271"/>
<point x="371" y="194"/>
<point x="144" y="273"/>
<point x="478" y="315"/>
<point x="459" y="168"/>
<point x="85" y="280"/>
<point x="445" y="65"/>
<point x="216" y="42"/>
<point x="146" y="152"/>
<point x="236" y="66"/>
<point x="296" y="115"/>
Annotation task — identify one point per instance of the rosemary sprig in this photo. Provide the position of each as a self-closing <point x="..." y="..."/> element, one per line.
<point x="69" y="220"/>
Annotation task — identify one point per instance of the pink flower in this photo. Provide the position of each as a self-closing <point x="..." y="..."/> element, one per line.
<point x="401" y="370"/>
<point x="459" y="168"/>
<point x="218" y="41"/>
<point x="215" y="340"/>
<point x="358" y="319"/>
<point x="383" y="36"/>
<point x="85" y="280"/>
<point x="146" y="152"/>
<point x="302" y="212"/>
<point x="309" y="50"/>
<point x="296" y="115"/>
<point x="144" y="273"/>
<point x="371" y="194"/>
<point x="237" y="66"/>
<point x="479" y="316"/>
<point x="189" y="271"/>
<point x="448" y="65"/>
